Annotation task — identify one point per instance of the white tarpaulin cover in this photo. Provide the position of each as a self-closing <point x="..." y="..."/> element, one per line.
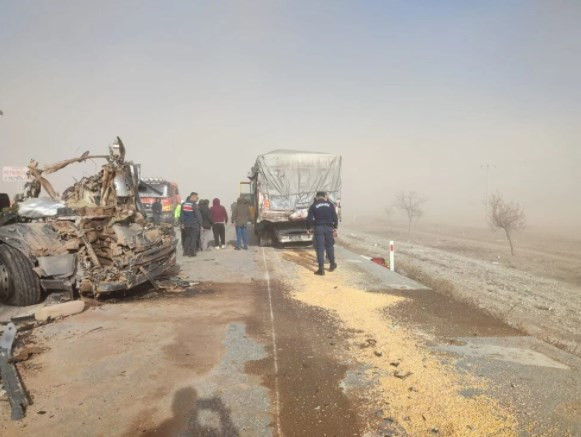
<point x="290" y="178"/>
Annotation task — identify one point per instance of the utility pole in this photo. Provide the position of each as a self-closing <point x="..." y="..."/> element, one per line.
<point x="487" y="167"/>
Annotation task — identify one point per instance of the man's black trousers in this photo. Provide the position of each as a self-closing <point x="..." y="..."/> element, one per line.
<point x="191" y="237"/>
<point x="219" y="234"/>
<point x="324" y="241"/>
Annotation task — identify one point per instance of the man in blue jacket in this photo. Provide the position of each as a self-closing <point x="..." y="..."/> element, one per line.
<point x="190" y="223"/>
<point x="323" y="218"/>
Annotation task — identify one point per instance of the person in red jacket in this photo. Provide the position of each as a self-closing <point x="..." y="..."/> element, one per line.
<point x="219" y="218"/>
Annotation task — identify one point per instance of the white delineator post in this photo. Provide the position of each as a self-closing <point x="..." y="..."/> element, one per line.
<point x="391" y="256"/>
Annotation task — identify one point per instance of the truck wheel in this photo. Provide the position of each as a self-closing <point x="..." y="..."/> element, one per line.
<point x="19" y="285"/>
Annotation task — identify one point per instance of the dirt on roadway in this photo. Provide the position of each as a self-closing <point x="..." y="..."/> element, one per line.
<point x="262" y="347"/>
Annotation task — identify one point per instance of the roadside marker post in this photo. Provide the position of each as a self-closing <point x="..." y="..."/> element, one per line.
<point x="391" y="256"/>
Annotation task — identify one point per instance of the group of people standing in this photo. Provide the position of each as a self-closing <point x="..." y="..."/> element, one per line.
<point x="198" y="221"/>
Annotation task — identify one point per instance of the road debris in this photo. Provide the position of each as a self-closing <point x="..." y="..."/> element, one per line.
<point x="25" y="354"/>
<point x="369" y="342"/>
<point x="10" y="378"/>
<point x="176" y="285"/>
<point x="59" y="310"/>
<point x="402" y="375"/>
<point x="149" y="278"/>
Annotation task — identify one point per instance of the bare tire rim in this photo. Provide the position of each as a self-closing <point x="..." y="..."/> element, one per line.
<point x="5" y="293"/>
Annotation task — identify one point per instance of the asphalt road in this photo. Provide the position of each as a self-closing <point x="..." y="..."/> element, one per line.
<point x="262" y="347"/>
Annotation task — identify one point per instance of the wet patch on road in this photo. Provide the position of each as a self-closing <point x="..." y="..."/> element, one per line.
<point x="311" y="371"/>
<point x="445" y="317"/>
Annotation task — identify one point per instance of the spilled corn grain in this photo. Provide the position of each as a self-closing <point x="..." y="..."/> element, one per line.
<point x="422" y="394"/>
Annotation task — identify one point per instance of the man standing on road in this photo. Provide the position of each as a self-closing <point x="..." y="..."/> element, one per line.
<point x="323" y="218"/>
<point x="206" y="224"/>
<point x="220" y="220"/>
<point x="191" y="222"/>
<point x="156" y="210"/>
<point x="241" y="217"/>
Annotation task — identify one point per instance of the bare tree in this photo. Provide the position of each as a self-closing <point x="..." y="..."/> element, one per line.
<point x="505" y="215"/>
<point x="410" y="203"/>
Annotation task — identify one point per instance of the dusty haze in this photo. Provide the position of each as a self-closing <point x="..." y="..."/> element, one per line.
<point x="414" y="96"/>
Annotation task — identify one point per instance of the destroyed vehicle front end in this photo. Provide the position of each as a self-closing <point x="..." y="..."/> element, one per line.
<point x="93" y="239"/>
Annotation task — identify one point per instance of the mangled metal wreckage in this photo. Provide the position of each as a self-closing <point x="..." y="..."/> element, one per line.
<point x="93" y="239"/>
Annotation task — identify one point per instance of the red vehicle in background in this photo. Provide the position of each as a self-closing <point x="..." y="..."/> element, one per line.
<point x="157" y="188"/>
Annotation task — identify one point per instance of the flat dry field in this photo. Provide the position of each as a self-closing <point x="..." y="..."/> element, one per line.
<point x="537" y="251"/>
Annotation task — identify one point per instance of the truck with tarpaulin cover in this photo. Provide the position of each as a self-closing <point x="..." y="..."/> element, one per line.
<point x="282" y="185"/>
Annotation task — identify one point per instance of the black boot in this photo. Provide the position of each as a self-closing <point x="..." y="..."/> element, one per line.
<point x="333" y="266"/>
<point x="320" y="272"/>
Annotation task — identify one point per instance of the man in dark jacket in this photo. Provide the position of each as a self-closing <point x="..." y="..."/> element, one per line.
<point x="206" y="223"/>
<point x="220" y="219"/>
<point x="323" y="218"/>
<point x="240" y="217"/>
<point x="191" y="222"/>
<point x="156" y="208"/>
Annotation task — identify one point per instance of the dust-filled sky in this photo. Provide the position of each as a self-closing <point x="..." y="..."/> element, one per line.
<point x="416" y="95"/>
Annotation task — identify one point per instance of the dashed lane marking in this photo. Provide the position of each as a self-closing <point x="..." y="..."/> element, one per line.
<point x="274" y="348"/>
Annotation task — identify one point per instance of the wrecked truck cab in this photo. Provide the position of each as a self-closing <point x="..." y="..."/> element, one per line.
<point x="94" y="239"/>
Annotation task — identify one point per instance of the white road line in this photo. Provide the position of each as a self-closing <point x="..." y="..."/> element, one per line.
<point x="274" y="349"/>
